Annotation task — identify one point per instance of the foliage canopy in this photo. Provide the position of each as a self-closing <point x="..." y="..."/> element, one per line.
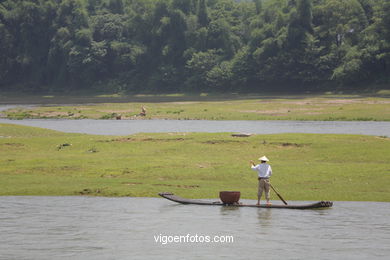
<point x="193" y="45"/>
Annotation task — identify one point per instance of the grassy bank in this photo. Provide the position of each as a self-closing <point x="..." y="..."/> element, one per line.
<point x="227" y="107"/>
<point x="196" y="165"/>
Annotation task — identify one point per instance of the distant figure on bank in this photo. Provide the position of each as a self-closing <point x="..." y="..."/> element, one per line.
<point x="143" y="111"/>
<point x="264" y="172"/>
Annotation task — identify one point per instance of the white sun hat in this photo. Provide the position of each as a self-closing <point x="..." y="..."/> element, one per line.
<point x="265" y="159"/>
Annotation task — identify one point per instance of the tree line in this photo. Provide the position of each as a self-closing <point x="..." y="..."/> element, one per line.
<point x="193" y="45"/>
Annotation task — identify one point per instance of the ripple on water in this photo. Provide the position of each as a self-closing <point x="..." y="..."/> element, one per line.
<point x="124" y="228"/>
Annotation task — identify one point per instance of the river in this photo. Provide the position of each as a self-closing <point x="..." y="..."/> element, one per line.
<point x="126" y="127"/>
<point x="127" y="228"/>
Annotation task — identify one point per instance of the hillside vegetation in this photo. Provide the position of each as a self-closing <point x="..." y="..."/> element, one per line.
<point x="193" y="45"/>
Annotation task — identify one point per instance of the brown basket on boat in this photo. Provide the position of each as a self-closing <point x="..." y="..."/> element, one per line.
<point x="229" y="197"/>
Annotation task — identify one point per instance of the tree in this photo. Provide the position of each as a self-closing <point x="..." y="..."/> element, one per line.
<point x="186" y="6"/>
<point x="93" y="5"/>
<point x="202" y="14"/>
<point x="304" y="15"/>
<point x="300" y="24"/>
<point x="69" y="45"/>
<point x="258" y="5"/>
<point x="116" y="6"/>
<point x="6" y="49"/>
<point x="220" y="37"/>
<point x="219" y="77"/>
<point x="197" y="45"/>
<point x="198" y="67"/>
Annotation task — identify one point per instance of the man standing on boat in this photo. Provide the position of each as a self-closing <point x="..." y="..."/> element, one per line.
<point x="264" y="172"/>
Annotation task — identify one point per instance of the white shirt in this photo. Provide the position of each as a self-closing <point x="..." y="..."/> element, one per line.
<point x="263" y="169"/>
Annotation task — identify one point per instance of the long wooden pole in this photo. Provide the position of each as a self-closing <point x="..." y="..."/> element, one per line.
<point x="280" y="197"/>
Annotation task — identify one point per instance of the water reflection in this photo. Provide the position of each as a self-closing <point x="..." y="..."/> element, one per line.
<point x="227" y="210"/>
<point x="264" y="217"/>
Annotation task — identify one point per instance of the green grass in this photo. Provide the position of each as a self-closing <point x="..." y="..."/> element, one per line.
<point x="241" y="107"/>
<point x="35" y="161"/>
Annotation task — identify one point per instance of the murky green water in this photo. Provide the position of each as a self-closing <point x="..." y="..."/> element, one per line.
<point x="125" y="228"/>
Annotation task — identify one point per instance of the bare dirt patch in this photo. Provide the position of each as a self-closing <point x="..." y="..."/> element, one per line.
<point x="13" y="144"/>
<point x="205" y="165"/>
<point x="131" y="139"/>
<point x="342" y="101"/>
<point x="122" y="111"/>
<point x="90" y="191"/>
<point x="354" y="101"/>
<point x="184" y="103"/>
<point x="50" y="114"/>
<point x="223" y="141"/>
<point x="178" y="186"/>
<point x="313" y="113"/>
<point x="287" y="144"/>
<point x="284" y="111"/>
<point x="339" y="101"/>
<point x="132" y="183"/>
<point x="265" y="112"/>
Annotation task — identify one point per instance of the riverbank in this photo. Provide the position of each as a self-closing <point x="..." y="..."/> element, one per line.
<point x="324" y="107"/>
<point x="196" y="165"/>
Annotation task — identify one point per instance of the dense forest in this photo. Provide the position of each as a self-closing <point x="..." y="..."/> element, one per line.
<point x="193" y="45"/>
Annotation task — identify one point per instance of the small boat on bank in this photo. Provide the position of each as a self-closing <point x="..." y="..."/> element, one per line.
<point x="315" y="205"/>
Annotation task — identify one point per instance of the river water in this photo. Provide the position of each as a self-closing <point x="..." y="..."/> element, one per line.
<point x="125" y="228"/>
<point x="126" y="127"/>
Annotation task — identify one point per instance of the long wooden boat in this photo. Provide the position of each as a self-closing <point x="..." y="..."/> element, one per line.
<point x="315" y="205"/>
